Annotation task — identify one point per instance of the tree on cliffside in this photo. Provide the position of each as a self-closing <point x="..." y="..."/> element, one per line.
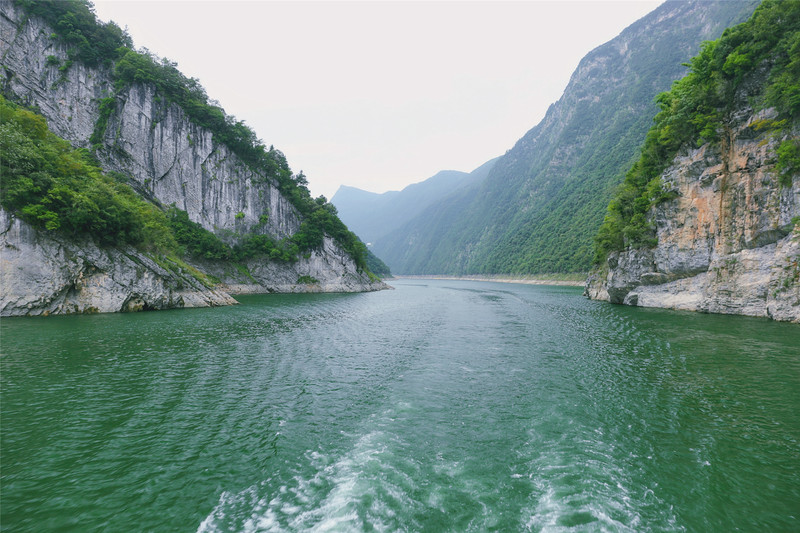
<point x="758" y="60"/>
<point x="93" y="43"/>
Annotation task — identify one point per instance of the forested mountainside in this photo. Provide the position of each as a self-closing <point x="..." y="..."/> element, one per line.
<point x="542" y="202"/>
<point x="707" y="218"/>
<point x="371" y="215"/>
<point x="110" y="153"/>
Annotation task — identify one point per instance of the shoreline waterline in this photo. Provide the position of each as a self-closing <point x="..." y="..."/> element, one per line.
<point x="500" y="279"/>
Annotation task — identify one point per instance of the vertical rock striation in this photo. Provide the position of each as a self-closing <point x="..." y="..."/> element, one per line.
<point x="169" y="160"/>
<point x="728" y="243"/>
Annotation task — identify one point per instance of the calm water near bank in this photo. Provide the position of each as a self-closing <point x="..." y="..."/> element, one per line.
<point x="439" y="406"/>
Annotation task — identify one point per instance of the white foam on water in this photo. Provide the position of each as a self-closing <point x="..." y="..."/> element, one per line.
<point x="208" y="525"/>
<point x="575" y="485"/>
<point x="219" y="515"/>
<point x="354" y="480"/>
<point x="579" y="483"/>
<point x="361" y="489"/>
<point x="266" y="522"/>
<point x="556" y="512"/>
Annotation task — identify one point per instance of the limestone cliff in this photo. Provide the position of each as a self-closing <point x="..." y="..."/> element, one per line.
<point x="707" y="218"/>
<point x="46" y="274"/>
<point x="728" y="242"/>
<point x="170" y="160"/>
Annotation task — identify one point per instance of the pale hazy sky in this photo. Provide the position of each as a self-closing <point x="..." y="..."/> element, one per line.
<point x="378" y="95"/>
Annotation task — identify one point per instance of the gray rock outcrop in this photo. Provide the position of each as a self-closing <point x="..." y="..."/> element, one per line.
<point x="43" y="274"/>
<point x="169" y="160"/>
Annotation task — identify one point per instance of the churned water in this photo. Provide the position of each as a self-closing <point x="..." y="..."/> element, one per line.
<point x="439" y="406"/>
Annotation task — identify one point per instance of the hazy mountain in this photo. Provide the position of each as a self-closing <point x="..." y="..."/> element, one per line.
<point x="371" y="215"/>
<point x="542" y="202"/>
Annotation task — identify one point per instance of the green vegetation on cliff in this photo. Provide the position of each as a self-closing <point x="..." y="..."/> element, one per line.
<point x="57" y="188"/>
<point x="542" y="203"/>
<point x="75" y="23"/>
<point x="94" y="43"/>
<point x="376" y="266"/>
<point x="758" y="60"/>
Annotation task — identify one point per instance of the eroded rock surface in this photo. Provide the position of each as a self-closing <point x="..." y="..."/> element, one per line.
<point x="170" y="160"/>
<point x="728" y="243"/>
<point x="42" y="274"/>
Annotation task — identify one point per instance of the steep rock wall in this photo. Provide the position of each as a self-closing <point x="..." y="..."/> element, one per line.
<point x="169" y="160"/>
<point x="727" y="243"/>
<point x="179" y="163"/>
<point x="44" y="274"/>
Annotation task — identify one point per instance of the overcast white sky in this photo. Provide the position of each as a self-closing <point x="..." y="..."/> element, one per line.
<point x="378" y="95"/>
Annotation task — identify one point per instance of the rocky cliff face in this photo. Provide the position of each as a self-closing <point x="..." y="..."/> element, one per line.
<point x="45" y="274"/>
<point x="538" y="209"/>
<point x="169" y="159"/>
<point x="729" y="243"/>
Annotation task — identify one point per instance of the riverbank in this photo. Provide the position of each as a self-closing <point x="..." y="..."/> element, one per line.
<point x="571" y="280"/>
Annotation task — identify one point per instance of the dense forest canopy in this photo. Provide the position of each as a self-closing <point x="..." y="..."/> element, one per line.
<point x="758" y="59"/>
<point x="105" y="45"/>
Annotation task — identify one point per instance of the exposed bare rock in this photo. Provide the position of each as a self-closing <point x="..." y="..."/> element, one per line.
<point x="727" y="243"/>
<point x="42" y="274"/>
<point x="170" y="160"/>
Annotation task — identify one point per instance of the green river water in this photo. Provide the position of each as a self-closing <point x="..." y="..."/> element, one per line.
<point x="438" y="406"/>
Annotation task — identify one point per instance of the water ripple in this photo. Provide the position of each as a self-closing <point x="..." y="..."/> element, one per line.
<point x="440" y="406"/>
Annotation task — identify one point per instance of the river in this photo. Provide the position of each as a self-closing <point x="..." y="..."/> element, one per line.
<point x="438" y="406"/>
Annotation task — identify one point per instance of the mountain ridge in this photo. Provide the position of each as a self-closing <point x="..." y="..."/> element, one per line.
<point x="372" y="215"/>
<point x="538" y="209"/>
<point x="144" y="123"/>
<point x="708" y="218"/>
